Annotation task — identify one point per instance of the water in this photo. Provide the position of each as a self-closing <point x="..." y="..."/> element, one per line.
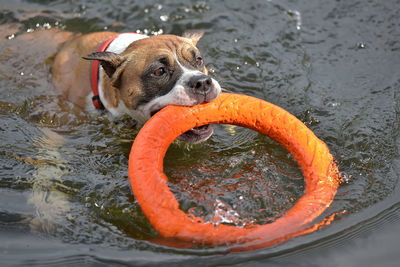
<point x="64" y="193"/>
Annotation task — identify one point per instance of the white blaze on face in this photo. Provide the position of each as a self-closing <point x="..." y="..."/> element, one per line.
<point x="179" y="95"/>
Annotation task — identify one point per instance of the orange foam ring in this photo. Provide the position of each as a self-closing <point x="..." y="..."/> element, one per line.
<point x="158" y="203"/>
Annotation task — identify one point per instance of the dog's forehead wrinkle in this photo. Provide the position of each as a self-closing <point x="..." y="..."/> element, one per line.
<point x="186" y="56"/>
<point x="155" y="42"/>
<point x="174" y="47"/>
<point x="171" y="45"/>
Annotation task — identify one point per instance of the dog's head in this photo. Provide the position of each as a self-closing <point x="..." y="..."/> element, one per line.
<point x="158" y="71"/>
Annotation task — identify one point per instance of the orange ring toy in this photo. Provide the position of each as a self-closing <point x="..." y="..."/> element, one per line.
<point x="158" y="203"/>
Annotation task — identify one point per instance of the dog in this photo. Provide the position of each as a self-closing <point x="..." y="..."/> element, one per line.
<point x="135" y="74"/>
<point x="115" y="73"/>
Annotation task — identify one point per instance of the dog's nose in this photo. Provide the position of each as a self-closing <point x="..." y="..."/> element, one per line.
<point x="200" y="84"/>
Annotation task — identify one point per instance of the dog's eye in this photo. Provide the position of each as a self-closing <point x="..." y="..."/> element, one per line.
<point x="199" y="61"/>
<point x="159" y="72"/>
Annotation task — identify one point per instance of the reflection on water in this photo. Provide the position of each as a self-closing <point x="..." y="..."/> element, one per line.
<point x="334" y="65"/>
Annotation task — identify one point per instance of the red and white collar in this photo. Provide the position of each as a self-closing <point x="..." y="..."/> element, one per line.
<point x="116" y="44"/>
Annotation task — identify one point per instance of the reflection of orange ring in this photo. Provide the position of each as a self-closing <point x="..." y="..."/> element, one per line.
<point x="158" y="203"/>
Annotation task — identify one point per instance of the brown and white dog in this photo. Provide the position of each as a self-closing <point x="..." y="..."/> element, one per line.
<point x="123" y="74"/>
<point x="137" y="75"/>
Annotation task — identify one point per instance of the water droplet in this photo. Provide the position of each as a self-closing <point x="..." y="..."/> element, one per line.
<point x="160" y="31"/>
<point x="333" y="104"/>
<point x="297" y="16"/>
<point x="361" y="45"/>
<point x="164" y="18"/>
<point x="345" y="178"/>
<point x="225" y="214"/>
<point x="125" y="210"/>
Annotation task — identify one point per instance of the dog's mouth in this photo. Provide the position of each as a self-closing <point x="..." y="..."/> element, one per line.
<point x="152" y="113"/>
<point x="196" y="134"/>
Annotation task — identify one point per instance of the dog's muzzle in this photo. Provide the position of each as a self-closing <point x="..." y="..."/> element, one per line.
<point x="200" y="84"/>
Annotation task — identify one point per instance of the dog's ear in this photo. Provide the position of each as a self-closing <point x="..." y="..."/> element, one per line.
<point x="110" y="63"/>
<point x="193" y="35"/>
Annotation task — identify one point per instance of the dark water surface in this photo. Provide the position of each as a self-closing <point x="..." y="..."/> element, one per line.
<point x="333" y="64"/>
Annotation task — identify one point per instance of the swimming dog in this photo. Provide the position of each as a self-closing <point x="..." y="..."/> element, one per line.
<point x="134" y="74"/>
<point x="119" y="74"/>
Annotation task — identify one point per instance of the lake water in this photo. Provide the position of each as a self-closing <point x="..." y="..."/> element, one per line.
<point x="333" y="64"/>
